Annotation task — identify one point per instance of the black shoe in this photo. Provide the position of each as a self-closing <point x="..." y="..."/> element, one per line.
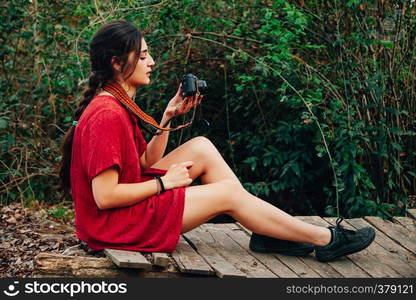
<point x="344" y="242"/>
<point x="264" y="244"/>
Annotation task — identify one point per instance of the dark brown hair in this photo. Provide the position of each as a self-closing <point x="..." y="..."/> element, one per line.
<point x="117" y="38"/>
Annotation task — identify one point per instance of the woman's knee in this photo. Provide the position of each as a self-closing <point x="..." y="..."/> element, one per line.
<point x="202" y="144"/>
<point x="233" y="193"/>
<point x="219" y="197"/>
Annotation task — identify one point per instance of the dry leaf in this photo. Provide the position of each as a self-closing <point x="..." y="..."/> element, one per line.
<point x="11" y="220"/>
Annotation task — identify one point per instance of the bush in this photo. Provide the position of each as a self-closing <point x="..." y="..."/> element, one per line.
<point x="289" y="80"/>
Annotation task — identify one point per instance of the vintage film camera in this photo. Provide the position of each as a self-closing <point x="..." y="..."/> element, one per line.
<point x="191" y="85"/>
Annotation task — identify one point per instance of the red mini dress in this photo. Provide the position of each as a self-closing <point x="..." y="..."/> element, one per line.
<point x="107" y="135"/>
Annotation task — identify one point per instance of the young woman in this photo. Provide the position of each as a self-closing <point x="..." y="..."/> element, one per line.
<point x="128" y="195"/>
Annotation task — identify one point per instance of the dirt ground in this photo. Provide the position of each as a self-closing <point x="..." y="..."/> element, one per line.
<point x="25" y="232"/>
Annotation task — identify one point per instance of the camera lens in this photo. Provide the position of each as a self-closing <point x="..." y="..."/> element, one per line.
<point x="202" y="86"/>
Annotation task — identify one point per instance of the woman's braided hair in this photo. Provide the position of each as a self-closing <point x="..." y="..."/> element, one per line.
<point x="115" y="39"/>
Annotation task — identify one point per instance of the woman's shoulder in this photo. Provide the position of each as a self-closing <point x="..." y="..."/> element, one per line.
<point x="106" y="104"/>
<point x="105" y="108"/>
<point x="104" y="101"/>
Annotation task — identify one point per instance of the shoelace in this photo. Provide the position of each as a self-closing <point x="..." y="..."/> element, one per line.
<point x="338" y="222"/>
<point x="345" y="232"/>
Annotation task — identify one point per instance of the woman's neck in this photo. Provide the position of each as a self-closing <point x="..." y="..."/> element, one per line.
<point x="131" y="91"/>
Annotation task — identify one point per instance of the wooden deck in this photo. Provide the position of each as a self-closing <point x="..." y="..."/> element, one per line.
<point x="221" y="250"/>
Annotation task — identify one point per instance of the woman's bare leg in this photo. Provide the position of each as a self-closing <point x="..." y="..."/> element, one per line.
<point x="206" y="201"/>
<point x="222" y="193"/>
<point x="209" y="165"/>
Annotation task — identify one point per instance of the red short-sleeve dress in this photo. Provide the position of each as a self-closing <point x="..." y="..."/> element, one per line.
<point x="107" y="135"/>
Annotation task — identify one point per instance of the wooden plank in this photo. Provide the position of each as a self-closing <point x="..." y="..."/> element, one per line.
<point x="387" y="257"/>
<point x="407" y="223"/>
<point x="160" y="259"/>
<point x="246" y="230"/>
<point x="387" y="243"/>
<point x="325" y="270"/>
<point x="232" y="252"/>
<point x="396" y="232"/>
<point x="189" y="261"/>
<point x="305" y="266"/>
<point x="270" y="261"/>
<point x="411" y="212"/>
<point x="367" y="259"/>
<point x="128" y="259"/>
<point x="342" y="265"/>
<point x="222" y="268"/>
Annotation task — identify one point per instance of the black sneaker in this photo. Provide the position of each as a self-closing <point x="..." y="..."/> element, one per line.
<point x="264" y="244"/>
<point x="344" y="242"/>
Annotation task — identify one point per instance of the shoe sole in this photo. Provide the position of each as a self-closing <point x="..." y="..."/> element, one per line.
<point x="366" y="244"/>
<point x="297" y="252"/>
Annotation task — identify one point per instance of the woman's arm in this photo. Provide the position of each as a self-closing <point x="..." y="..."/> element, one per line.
<point x="108" y="193"/>
<point x="157" y="146"/>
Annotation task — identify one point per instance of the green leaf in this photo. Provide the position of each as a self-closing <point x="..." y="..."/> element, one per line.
<point x="3" y="123"/>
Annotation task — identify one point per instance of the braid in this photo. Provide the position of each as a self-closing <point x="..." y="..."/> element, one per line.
<point x="93" y="84"/>
<point x="66" y="149"/>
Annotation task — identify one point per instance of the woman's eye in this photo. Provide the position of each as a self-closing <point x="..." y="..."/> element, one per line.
<point x="143" y="58"/>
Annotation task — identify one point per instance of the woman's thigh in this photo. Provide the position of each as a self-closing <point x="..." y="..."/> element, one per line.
<point x="196" y="150"/>
<point x="203" y="202"/>
<point x="208" y="162"/>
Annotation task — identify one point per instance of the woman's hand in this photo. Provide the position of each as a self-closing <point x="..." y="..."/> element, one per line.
<point x="177" y="175"/>
<point x="178" y="106"/>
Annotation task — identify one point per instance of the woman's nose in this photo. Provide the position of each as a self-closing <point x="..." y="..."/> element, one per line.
<point x="152" y="62"/>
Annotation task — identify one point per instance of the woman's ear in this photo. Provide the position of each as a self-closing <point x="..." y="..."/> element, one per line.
<point x="115" y="63"/>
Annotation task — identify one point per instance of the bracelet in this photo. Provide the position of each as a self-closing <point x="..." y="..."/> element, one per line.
<point x="157" y="187"/>
<point x="161" y="184"/>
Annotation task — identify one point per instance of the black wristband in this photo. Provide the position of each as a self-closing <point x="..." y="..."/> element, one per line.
<point x="161" y="183"/>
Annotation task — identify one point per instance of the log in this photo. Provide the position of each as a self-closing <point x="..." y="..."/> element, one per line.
<point x="52" y="265"/>
<point x="74" y="266"/>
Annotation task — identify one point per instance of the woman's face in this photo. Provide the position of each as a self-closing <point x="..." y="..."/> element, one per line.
<point x="145" y="63"/>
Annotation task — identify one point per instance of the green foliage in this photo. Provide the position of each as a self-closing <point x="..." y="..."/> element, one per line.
<point x="276" y="70"/>
<point x="62" y="213"/>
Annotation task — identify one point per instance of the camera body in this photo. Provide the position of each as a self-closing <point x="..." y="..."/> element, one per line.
<point x="191" y="85"/>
